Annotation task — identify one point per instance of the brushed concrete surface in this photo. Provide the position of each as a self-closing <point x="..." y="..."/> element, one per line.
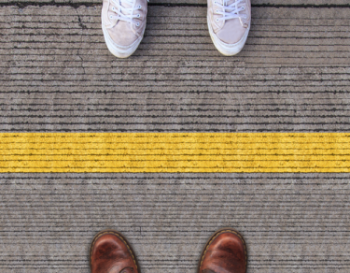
<point x="313" y="3"/>
<point x="57" y="75"/>
<point x="291" y="222"/>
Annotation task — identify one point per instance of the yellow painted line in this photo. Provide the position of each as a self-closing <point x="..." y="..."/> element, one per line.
<point x="175" y="152"/>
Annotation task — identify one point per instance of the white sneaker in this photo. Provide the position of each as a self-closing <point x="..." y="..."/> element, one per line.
<point x="123" y="25"/>
<point x="229" y="24"/>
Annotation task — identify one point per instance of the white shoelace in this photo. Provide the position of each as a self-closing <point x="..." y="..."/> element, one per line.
<point x="231" y="11"/>
<point x="124" y="10"/>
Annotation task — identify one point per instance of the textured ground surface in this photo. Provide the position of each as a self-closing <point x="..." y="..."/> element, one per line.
<point x="57" y="75"/>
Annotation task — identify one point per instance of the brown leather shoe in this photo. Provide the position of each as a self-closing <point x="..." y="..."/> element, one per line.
<point x="111" y="253"/>
<point x="225" y="252"/>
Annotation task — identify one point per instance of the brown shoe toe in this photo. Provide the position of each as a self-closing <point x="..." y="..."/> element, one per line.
<point x="111" y="253"/>
<point x="225" y="252"/>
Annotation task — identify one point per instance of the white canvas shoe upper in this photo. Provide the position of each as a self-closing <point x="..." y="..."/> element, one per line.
<point x="123" y="25"/>
<point x="229" y="24"/>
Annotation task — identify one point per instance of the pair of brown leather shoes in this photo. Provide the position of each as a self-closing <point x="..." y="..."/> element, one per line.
<point x="225" y="252"/>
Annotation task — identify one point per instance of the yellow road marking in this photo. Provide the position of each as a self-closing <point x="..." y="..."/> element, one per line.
<point x="174" y="152"/>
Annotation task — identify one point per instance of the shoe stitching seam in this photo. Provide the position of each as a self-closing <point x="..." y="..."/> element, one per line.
<point x="119" y="237"/>
<point x="216" y="235"/>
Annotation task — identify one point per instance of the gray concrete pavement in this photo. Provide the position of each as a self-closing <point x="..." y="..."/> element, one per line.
<point x="57" y="75"/>
<point x="291" y="222"/>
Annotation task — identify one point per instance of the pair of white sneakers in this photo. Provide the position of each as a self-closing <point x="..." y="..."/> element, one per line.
<point x="124" y="24"/>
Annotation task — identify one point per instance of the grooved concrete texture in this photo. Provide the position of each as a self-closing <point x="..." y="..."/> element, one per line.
<point x="314" y="3"/>
<point x="291" y="222"/>
<point x="57" y="75"/>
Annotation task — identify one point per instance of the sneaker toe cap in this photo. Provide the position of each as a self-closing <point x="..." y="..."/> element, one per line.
<point x="232" y="32"/>
<point x="122" y="35"/>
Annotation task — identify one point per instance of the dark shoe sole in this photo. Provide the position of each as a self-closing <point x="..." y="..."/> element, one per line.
<point x="121" y="237"/>
<point x="218" y="232"/>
